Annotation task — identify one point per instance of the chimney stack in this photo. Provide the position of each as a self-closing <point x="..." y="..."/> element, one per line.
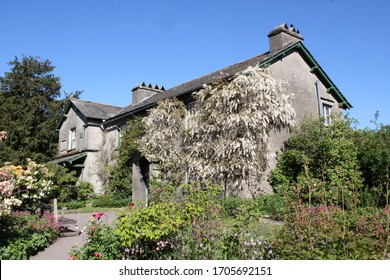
<point x="281" y="36"/>
<point x="143" y="91"/>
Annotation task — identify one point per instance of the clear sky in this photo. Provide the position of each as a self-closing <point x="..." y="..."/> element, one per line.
<point x="106" y="48"/>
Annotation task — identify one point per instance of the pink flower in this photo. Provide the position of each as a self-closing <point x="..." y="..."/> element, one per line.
<point x="97" y="215"/>
<point x="71" y="258"/>
<point x="97" y="255"/>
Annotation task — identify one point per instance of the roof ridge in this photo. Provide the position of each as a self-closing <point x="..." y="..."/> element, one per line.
<point x="92" y="102"/>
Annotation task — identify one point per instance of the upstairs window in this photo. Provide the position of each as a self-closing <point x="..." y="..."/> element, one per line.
<point x="72" y="139"/>
<point x="326" y="112"/>
<point x="63" y="145"/>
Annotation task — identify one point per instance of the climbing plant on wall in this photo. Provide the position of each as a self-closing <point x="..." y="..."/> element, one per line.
<point x="227" y="141"/>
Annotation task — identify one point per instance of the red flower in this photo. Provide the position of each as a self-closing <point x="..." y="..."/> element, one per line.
<point x="132" y="205"/>
<point x="97" y="255"/>
<point x="71" y="258"/>
<point x="97" y="215"/>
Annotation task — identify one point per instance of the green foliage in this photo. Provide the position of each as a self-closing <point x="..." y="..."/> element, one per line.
<point x="83" y="190"/>
<point x="186" y="224"/>
<point x="143" y="229"/>
<point x="374" y="159"/>
<point x="23" y="234"/>
<point x="63" y="181"/>
<point x="128" y="152"/>
<point x="114" y="200"/>
<point x="29" y="111"/>
<point x="331" y="233"/>
<point x="74" y="204"/>
<point x="273" y="205"/>
<point x="102" y="243"/>
<point x="320" y="164"/>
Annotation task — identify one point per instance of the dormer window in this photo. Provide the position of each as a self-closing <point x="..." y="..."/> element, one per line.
<point x="72" y="138"/>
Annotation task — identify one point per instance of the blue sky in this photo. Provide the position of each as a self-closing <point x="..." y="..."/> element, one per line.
<point x="106" y="48"/>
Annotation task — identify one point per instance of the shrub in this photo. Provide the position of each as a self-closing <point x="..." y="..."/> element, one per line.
<point x="72" y="204"/>
<point x="25" y="234"/>
<point x="101" y="244"/>
<point x="231" y="203"/>
<point x="319" y="165"/>
<point x="111" y="201"/>
<point x="144" y="231"/>
<point x="273" y="205"/>
<point x="374" y="160"/>
<point x="329" y="232"/>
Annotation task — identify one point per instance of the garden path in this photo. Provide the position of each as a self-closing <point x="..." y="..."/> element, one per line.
<point x="61" y="248"/>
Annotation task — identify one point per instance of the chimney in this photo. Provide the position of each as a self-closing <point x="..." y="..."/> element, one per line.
<point x="281" y="36"/>
<point x="143" y="91"/>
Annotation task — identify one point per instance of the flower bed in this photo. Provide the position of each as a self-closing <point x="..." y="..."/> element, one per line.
<point x="26" y="234"/>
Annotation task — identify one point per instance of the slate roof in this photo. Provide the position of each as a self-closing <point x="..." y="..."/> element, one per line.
<point x="197" y="84"/>
<point x="94" y="110"/>
<point x="191" y="86"/>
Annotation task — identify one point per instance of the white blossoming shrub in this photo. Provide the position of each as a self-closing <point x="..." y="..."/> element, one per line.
<point x="25" y="186"/>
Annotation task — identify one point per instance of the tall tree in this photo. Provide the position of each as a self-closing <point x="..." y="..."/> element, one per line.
<point x="29" y="110"/>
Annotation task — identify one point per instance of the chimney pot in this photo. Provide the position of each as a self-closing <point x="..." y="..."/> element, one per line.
<point x="282" y="36"/>
<point x="142" y="92"/>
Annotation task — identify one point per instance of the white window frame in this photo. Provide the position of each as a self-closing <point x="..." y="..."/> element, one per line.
<point x="72" y="138"/>
<point x="326" y="111"/>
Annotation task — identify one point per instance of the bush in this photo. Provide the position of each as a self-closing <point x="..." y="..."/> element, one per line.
<point x="111" y="201"/>
<point x="72" y="204"/>
<point x="101" y="244"/>
<point x="144" y="231"/>
<point x="231" y="203"/>
<point x="25" y="234"/>
<point x="184" y="226"/>
<point x="374" y="160"/>
<point x="329" y="232"/>
<point x="320" y="165"/>
<point x="273" y="205"/>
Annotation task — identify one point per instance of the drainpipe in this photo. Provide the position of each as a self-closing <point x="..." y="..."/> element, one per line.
<point x="318" y="99"/>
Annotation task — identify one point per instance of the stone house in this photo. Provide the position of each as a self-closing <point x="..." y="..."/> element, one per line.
<point x="288" y="59"/>
<point x="83" y="142"/>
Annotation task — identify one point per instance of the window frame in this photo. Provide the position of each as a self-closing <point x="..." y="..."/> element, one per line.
<point x="326" y="113"/>
<point x="72" y="139"/>
<point x="191" y="111"/>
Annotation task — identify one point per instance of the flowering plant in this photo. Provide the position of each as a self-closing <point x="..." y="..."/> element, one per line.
<point x="23" y="185"/>
<point x="100" y="242"/>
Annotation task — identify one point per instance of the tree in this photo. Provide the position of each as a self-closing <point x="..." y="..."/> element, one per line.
<point x="29" y="111"/>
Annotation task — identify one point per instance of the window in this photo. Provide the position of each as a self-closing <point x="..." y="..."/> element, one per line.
<point x="63" y="145"/>
<point x="121" y="133"/>
<point x="191" y="111"/>
<point x="72" y="139"/>
<point x="326" y="113"/>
